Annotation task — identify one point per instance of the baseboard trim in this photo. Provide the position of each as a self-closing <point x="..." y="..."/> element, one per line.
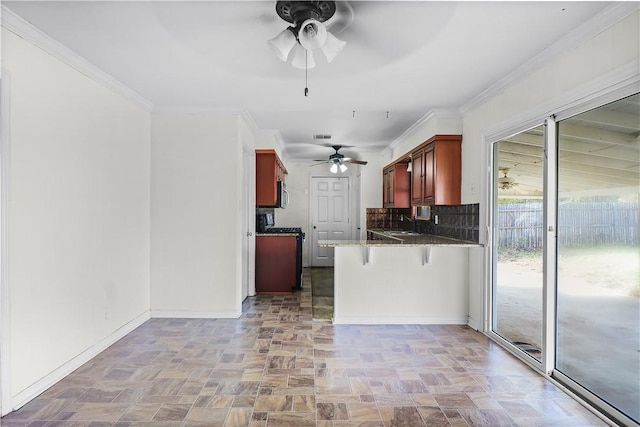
<point x="185" y="314"/>
<point x="400" y="321"/>
<point x="473" y="324"/>
<point x="49" y="380"/>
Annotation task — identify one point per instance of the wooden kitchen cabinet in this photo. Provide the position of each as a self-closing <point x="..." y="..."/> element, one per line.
<point x="417" y="177"/>
<point x="396" y="186"/>
<point x="269" y="170"/>
<point x="275" y="263"/>
<point x="437" y="171"/>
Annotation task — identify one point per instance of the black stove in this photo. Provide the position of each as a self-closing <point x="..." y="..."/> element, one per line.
<point x="295" y="230"/>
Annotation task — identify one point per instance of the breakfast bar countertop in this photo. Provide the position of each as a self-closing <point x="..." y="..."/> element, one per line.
<point x="399" y="238"/>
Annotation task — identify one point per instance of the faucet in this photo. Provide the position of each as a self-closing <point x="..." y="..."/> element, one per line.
<point x="403" y="216"/>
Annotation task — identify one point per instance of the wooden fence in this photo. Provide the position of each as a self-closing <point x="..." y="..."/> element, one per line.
<point x="579" y="224"/>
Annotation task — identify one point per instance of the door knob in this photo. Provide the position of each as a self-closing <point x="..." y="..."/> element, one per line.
<point x="314" y="227"/>
<point x="249" y="234"/>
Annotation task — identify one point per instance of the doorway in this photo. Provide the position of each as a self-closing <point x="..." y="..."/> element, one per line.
<point x="598" y="275"/>
<point x="565" y="291"/>
<point x="518" y="241"/>
<point x="329" y="207"/>
<point x="248" y="223"/>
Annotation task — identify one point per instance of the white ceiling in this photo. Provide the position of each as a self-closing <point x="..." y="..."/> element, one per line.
<point x="404" y="58"/>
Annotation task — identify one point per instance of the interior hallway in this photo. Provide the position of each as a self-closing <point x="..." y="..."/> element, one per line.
<point x="275" y="366"/>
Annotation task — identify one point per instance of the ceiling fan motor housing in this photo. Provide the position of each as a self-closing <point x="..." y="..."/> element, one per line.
<point x="296" y="12"/>
<point x="336" y="156"/>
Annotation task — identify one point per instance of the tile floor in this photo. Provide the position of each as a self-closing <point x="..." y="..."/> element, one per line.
<point x="275" y="366"/>
<point x="322" y="292"/>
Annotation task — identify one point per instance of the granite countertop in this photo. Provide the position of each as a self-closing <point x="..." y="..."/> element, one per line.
<point x="406" y="240"/>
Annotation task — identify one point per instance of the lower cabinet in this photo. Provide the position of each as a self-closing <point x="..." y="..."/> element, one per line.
<point x="275" y="263"/>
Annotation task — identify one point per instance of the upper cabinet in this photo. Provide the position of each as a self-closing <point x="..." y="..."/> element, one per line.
<point x="396" y="186"/>
<point x="269" y="170"/>
<point x="437" y="171"/>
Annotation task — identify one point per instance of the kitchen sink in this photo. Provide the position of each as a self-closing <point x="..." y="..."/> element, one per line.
<point x="401" y="233"/>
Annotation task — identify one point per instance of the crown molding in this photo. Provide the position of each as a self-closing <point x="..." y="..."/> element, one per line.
<point x="242" y="114"/>
<point x="596" y="25"/>
<point x="24" y="29"/>
<point x="251" y="123"/>
<point x="616" y="84"/>
<point x="277" y="140"/>
<point x="436" y="113"/>
<point x="203" y="109"/>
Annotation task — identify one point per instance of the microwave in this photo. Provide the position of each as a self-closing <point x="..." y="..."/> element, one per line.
<point x="422" y="213"/>
<point x="282" y="196"/>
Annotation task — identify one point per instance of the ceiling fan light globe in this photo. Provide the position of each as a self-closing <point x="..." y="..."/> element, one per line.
<point x="303" y="58"/>
<point x="343" y="168"/>
<point x="334" y="168"/>
<point x="312" y="34"/>
<point x="332" y="47"/>
<point x="282" y="44"/>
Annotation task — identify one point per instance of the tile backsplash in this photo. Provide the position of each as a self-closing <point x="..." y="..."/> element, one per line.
<point x="388" y="218"/>
<point x="458" y="222"/>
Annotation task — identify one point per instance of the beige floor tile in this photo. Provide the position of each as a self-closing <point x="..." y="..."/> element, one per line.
<point x="275" y="366"/>
<point x="270" y="403"/>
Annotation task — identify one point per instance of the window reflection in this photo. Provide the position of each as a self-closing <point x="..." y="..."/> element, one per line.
<point x="598" y="310"/>
<point x="518" y="277"/>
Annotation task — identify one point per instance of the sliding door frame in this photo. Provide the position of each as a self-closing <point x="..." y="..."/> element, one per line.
<point x="577" y="102"/>
<point x="549" y="245"/>
<point x="490" y="299"/>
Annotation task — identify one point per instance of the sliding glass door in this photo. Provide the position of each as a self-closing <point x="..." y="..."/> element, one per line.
<point x="566" y="253"/>
<point x="598" y="288"/>
<point x="518" y="241"/>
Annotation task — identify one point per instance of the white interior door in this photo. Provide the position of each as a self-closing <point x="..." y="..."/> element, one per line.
<point x="248" y="224"/>
<point x="329" y="207"/>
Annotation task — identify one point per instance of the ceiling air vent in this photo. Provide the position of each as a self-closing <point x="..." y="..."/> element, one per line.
<point x="322" y="136"/>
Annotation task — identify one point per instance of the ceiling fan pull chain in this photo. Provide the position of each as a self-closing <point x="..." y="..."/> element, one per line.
<point x="306" y="70"/>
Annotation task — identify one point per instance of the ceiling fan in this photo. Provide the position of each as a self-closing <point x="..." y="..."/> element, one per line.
<point x="337" y="161"/>
<point x="505" y="182"/>
<point x="308" y="32"/>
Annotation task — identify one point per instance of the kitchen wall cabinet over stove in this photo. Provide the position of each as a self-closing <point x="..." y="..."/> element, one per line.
<point x="269" y="170"/>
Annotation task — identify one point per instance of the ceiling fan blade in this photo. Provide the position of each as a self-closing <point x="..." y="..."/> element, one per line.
<point x="341" y="19"/>
<point x="318" y="164"/>
<point x="322" y="161"/>
<point x="357" y="162"/>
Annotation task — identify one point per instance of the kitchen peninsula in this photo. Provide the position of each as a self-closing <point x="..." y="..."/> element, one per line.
<point x="401" y="278"/>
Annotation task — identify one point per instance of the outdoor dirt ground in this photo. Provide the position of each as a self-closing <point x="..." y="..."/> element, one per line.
<point x="599" y="316"/>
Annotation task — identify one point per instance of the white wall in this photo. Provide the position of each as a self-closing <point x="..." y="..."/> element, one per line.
<point x="574" y="75"/>
<point x="78" y="214"/>
<point x="371" y="185"/>
<point x="599" y="69"/>
<point x="195" y="218"/>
